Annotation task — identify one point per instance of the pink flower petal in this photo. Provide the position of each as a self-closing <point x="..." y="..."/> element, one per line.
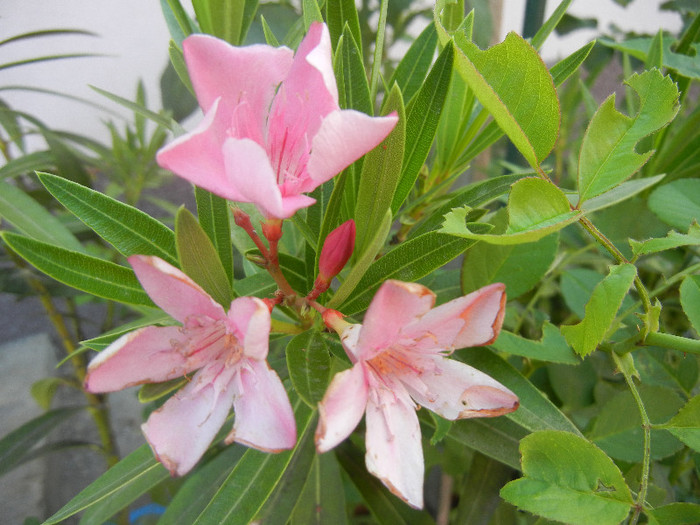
<point x="146" y="355"/>
<point x="395" y="304"/>
<point x="472" y="320"/>
<point x="172" y="290"/>
<point x="264" y="416"/>
<point x="344" y="136"/>
<point x="455" y="390"/>
<point x="246" y="77"/>
<point x="250" y="321"/>
<point x="197" y="156"/>
<point x="342" y="407"/>
<point x="181" y="430"/>
<point x="394" y="451"/>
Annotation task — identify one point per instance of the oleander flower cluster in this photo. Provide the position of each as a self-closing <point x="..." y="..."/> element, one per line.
<point x="272" y="132"/>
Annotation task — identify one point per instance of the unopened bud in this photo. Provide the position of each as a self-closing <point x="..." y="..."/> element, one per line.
<point x="336" y="251"/>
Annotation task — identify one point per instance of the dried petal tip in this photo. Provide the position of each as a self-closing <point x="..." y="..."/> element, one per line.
<point x="336" y="250"/>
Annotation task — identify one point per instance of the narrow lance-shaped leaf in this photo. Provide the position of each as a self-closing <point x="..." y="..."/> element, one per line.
<point x="213" y="214"/>
<point x="83" y="272"/>
<point x="604" y="303"/>
<point x="608" y="156"/>
<point x="339" y="14"/>
<point x="128" y="229"/>
<point x="568" y="479"/>
<point x="323" y="498"/>
<point x="536" y="208"/>
<point x="415" y="64"/>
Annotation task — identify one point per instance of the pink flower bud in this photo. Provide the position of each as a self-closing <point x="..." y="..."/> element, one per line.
<point x="336" y="251"/>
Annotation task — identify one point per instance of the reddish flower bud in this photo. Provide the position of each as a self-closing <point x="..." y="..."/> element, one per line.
<point x="336" y="250"/>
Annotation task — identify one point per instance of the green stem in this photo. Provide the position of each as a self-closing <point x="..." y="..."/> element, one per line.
<point x="674" y="342"/>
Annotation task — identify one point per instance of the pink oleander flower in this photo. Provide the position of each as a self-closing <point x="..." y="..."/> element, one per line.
<point x="272" y="128"/>
<point x="399" y="361"/>
<point x="227" y="353"/>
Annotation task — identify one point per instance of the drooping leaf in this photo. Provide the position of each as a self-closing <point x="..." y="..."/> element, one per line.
<point x="199" y="259"/>
<point x="568" y="479"/>
<point x="604" y="303"/>
<point x="128" y="229"/>
<point x="83" y="272"/>
<point x="608" y="156"/>
<point x="116" y="488"/>
<point x="308" y="361"/>
<point x="536" y="208"/>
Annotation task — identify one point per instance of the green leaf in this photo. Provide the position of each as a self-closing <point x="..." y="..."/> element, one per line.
<point x="32" y="219"/>
<point x="386" y="508"/>
<point x="674" y="514"/>
<point x="422" y="120"/>
<point x="255" y="477"/>
<point x="671" y="241"/>
<point x="179" y="24"/>
<point x="536" y="208"/>
<point x="115" y="489"/>
<point x="563" y="69"/>
<point x="322" y="499"/>
<point x="409" y="261"/>
<point x="604" y="303"/>
<point x="200" y="486"/>
<point x="620" y="193"/>
<point x="128" y="229"/>
<point x="381" y="170"/>
<point x="655" y="55"/>
<point x="552" y="347"/>
<point x="152" y="391"/>
<point x="340" y="13"/>
<point x="618" y="428"/>
<point x="410" y="72"/>
<point x="685" y="65"/>
<point x="213" y="213"/>
<point x="520" y="266"/>
<point x="551" y="23"/>
<point x="685" y="425"/>
<point x="536" y="412"/>
<point x="16" y="446"/>
<point x="677" y="203"/>
<point x="309" y="362"/>
<point x="608" y="156"/>
<point x="83" y="272"/>
<point x="27" y="163"/>
<point x="513" y="84"/>
<point x="568" y="479"/>
<point x="167" y="123"/>
<point x="226" y="19"/>
<point x="199" y="259"/>
<point x="311" y="12"/>
<point x="690" y="299"/>
<point x="479" y="496"/>
<point x="44" y="389"/>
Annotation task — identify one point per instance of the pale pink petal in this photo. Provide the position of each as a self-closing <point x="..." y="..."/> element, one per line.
<point x="342" y="407"/>
<point x="264" y="418"/>
<point x="252" y="175"/>
<point x="198" y="157"/>
<point x="181" y="430"/>
<point x="394" y="451"/>
<point x="455" y="390"/>
<point x="472" y="320"/>
<point x="148" y="355"/>
<point x="172" y="290"/>
<point x="395" y="305"/>
<point x="246" y="77"/>
<point x="250" y="321"/>
<point x="344" y="136"/>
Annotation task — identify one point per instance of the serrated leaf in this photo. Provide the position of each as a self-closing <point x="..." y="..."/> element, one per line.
<point x="690" y="299"/>
<point x="608" y="156"/>
<point x="536" y="208"/>
<point x="671" y="241"/>
<point x="604" y="303"/>
<point x="16" y="446"/>
<point x="199" y="259"/>
<point x="116" y="488"/>
<point x="83" y="272"/>
<point x="685" y="425"/>
<point x="422" y="120"/>
<point x="381" y="171"/>
<point x="128" y="229"/>
<point x="308" y="361"/>
<point x="513" y="84"/>
<point x="618" y="428"/>
<point x="552" y="347"/>
<point x="32" y="219"/>
<point x="677" y="203"/>
<point x="568" y="479"/>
